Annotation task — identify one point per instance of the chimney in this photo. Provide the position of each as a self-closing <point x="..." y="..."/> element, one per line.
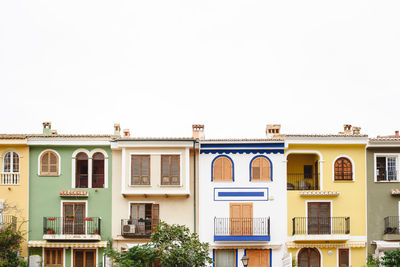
<point x="47" y="127"/>
<point x="198" y="131"/>
<point x="117" y="129"/>
<point x="127" y="133"/>
<point x="396" y="134"/>
<point x="356" y="130"/>
<point x="347" y="129"/>
<point x="273" y="130"/>
<point x="54" y="132"/>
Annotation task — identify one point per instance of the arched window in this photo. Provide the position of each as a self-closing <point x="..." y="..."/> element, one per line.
<point x="343" y="169"/>
<point x="11" y="162"/>
<point x="98" y="170"/>
<point x="309" y="257"/>
<point x="222" y="169"/>
<point x="260" y="169"/>
<point x="82" y="166"/>
<point x="49" y="164"/>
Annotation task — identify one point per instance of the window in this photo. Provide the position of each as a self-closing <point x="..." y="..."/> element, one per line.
<point x="170" y="169"/>
<point x="11" y="162"/>
<point x="344" y="257"/>
<point x="74" y="214"/>
<point x="82" y="165"/>
<point x="343" y="169"/>
<point x="145" y="217"/>
<point x="309" y="257"/>
<point x="140" y="170"/>
<point x="308" y="171"/>
<point x="49" y="164"/>
<point x="222" y="169"/>
<point x="261" y="169"/>
<point x="319" y="220"/>
<point x="225" y="258"/>
<point x="85" y="257"/>
<point x="98" y="170"/>
<point x="386" y="169"/>
<point x="53" y="257"/>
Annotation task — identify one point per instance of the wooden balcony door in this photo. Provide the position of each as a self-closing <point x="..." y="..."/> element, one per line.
<point x="241" y="218"/>
<point x="319" y="220"/>
<point x="84" y="258"/>
<point x="74" y="214"/>
<point x="258" y="257"/>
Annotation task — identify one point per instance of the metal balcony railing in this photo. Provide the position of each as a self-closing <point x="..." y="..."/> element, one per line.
<point x="303" y="181"/>
<point x="8" y="221"/>
<point x="392" y="225"/>
<point x="321" y="225"/>
<point x="9" y="178"/>
<point x="71" y="226"/>
<point x="241" y="226"/>
<point x="138" y="227"/>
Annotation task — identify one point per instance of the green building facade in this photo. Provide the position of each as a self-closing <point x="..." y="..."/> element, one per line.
<point x="69" y="199"/>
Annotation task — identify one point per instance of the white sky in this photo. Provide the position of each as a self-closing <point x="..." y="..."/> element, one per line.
<point x="157" y="66"/>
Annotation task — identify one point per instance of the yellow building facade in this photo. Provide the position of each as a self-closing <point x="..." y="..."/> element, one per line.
<point x="326" y="198"/>
<point x="14" y="166"/>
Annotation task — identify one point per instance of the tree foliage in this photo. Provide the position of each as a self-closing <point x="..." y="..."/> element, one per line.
<point x="391" y="258"/>
<point x="10" y="244"/>
<point x="171" y="245"/>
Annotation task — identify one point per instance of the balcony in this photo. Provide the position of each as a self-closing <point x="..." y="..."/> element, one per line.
<point x="71" y="228"/>
<point x="302" y="181"/>
<point x="9" y="178"/>
<point x="321" y="228"/>
<point x="138" y="228"/>
<point x="242" y="229"/>
<point x="8" y="221"/>
<point x="392" y="228"/>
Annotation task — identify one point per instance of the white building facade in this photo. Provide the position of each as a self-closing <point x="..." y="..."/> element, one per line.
<point x="242" y="201"/>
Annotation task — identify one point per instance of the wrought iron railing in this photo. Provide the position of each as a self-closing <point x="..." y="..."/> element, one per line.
<point x="71" y="225"/>
<point x="8" y="221"/>
<point x="302" y="181"/>
<point x="321" y="225"/>
<point x="9" y="178"/>
<point x="392" y="225"/>
<point x="241" y="226"/>
<point x="138" y="227"/>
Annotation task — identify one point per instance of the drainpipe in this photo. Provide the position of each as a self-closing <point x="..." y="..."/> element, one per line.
<point x="194" y="184"/>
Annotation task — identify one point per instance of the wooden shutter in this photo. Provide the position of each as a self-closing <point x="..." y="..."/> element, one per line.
<point x="261" y="169"/>
<point x="222" y="169"/>
<point x="343" y="169"/>
<point x="170" y="169"/>
<point x="49" y="163"/>
<point x="241" y="218"/>
<point x="140" y="170"/>
<point x="175" y="170"/>
<point x="256" y="169"/>
<point x="344" y="257"/>
<point x="258" y="257"/>
<point x="319" y="221"/>
<point x="44" y="164"/>
<point x="155" y="216"/>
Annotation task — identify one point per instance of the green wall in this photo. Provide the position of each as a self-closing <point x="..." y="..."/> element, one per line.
<point x="44" y="199"/>
<point x="380" y="202"/>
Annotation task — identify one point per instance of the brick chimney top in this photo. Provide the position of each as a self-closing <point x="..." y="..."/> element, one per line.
<point x="273" y="130"/>
<point x="117" y="129"/>
<point x="356" y="130"/>
<point x="347" y="129"/>
<point x="198" y="131"/>
<point x="127" y="133"/>
<point x="396" y="134"/>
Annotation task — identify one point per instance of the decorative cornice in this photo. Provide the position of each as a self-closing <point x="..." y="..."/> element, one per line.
<point x="319" y="193"/>
<point x="74" y="193"/>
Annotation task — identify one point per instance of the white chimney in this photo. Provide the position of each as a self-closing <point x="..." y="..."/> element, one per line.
<point x="198" y="131"/>
<point x="273" y="130"/>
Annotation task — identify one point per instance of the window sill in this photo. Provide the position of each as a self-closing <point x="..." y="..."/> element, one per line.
<point x="10" y="184"/>
<point x="170" y="185"/>
<point x="43" y="175"/>
<point x="140" y="185"/>
<point x="222" y="181"/>
<point x="343" y="181"/>
<point x="263" y="181"/>
<point x="387" y="182"/>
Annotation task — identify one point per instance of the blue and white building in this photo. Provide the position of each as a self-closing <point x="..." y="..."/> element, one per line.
<point x="242" y="201"/>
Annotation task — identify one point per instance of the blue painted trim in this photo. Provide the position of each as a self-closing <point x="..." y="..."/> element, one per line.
<point x="242" y="238"/>
<point x="270" y="257"/>
<point x="240" y="194"/>
<point x="270" y="162"/>
<point x="242" y="188"/>
<point x="236" y="257"/>
<point x="212" y="167"/>
<point x="213" y="257"/>
<point x="244" y="145"/>
<point x="241" y="151"/>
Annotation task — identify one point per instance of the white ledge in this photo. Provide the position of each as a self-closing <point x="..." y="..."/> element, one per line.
<point x="320" y="193"/>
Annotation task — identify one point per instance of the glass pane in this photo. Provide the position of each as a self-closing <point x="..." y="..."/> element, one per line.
<point x="82" y="156"/>
<point x="15" y="162"/>
<point x="98" y="173"/>
<point x="98" y="156"/>
<point x="7" y="162"/>
<point x="392" y="175"/>
<point x="89" y="259"/>
<point x="381" y="168"/>
<point x="78" y="258"/>
<point x="59" y="256"/>
<point x="225" y="258"/>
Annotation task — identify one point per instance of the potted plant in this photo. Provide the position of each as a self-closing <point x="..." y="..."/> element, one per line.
<point x="96" y="232"/>
<point x="50" y="231"/>
<point x="70" y="218"/>
<point x="89" y="219"/>
<point x="51" y="219"/>
<point x="141" y="220"/>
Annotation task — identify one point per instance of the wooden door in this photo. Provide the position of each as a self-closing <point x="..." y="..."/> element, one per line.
<point x="74" y="214"/>
<point x="344" y="257"/>
<point x="241" y="218"/>
<point x="84" y="258"/>
<point x="258" y="257"/>
<point x="309" y="257"/>
<point x="319" y="220"/>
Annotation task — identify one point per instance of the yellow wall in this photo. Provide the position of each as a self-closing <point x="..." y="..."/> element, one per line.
<point x="17" y="195"/>
<point x="350" y="203"/>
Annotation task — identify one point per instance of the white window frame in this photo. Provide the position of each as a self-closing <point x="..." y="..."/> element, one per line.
<point x="387" y="155"/>
<point x="90" y="166"/>
<point x="59" y="161"/>
<point x="12" y="161"/>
